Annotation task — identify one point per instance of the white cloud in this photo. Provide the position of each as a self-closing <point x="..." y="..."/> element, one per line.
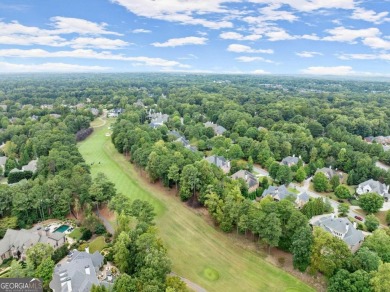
<point x="370" y="15"/>
<point x="237" y="48"/>
<point x="308" y="54"/>
<point x="6" y="67"/>
<point x="14" y="33"/>
<point x="260" y="72"/>
<point x="182" y="42"/>
<point x="279" y="34"/>
<point x="270" y="13"/>
<point x="100" y="43"/>
<point x="364" y="57"/>
<point x="141" y="30"/>
<point x="247" y="59"/>
<point x="342" y="34"/>
<point x="311" y="5"/>
<point x="90" y="54"/>
<point x="377" y="43"/>
<point x="239" y="37"/>
<point x="67" y="25"/>
<point x="179" y="11"/>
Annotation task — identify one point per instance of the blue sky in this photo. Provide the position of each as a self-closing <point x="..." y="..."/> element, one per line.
<point x="319" y="37"/>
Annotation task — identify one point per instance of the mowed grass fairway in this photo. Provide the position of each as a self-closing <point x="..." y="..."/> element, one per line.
<point x="198" y="252"/>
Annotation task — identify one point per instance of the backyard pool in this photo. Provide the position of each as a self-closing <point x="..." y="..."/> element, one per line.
<point x="62" y="228"/>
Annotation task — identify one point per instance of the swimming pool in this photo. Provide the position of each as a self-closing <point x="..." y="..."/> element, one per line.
<point x="62" y="228"/>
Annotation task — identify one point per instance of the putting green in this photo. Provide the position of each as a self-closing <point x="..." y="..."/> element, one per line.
<point x="199" y="252"/>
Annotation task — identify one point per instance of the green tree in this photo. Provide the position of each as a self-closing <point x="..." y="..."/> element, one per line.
<point x="37" y="253"/>
<point x="284" y="175"/>
<point x="175" y="283"/>
<point x="300" y="175"/>
<point x="328" y="253"/>
<point x="45" y="271"/>
<point x="174" y="174"/>
<point x="350" y="282"/>
<point x="372" y="223"/>
<point x="371" y="202"/>
<point x="125" y="283"/>
<point x="379" y="242"/>
<point x="367" y="260"/>
<point x="334" y="182"/>
<point x="16" y="270"/>
<point x="271" y="231"/>
<point x="301" y="248"/>
<point x="342" y="192"/>
<point x="320" y="182"/>
<point x="121" y="252"/>
<point x="188" y="182"/>
<point x="343" y="209"/>
<point x="388" y="217"/>
<point x="273" y="169"/>
<point x="381" y="279"/>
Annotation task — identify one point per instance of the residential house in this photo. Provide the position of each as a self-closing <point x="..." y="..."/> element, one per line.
<point x="157" y="119"/>
<point x="3" y="107"/>
<point x="31" y="166"/>
<point x="56" y="116"/>
<point x="341" y="228"/>
<point x="186" y="144"/>
<point x="47" y="106"/>
<point x="78" y="274"/>
<point x="220" y="162"/>
<point x="329" y="172"/>
<point x="218" y="130"/>
<point x="373" y="186"/>
<point x="278" y="193"/>
<point x="139" y="103"/>
<point x="114" y="113"/>
<point x="251" y="180"/>
<point x="94" y="111"/>
<point x="16" y="242"/>
<point x="290" y="160"/>
<point x="302" y="199"/>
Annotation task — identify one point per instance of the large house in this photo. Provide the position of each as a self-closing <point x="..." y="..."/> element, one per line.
<point x="16" y="242"/>
<point x="290" y="160"/>
<point x="157" y="119"/>
<point x="31" y="166"/>
<point x="220" y="162"/>
<point x="373" y="186"/>
<point x="277" y="193"/>
<point x="341" y="228"/>
<point x="250" y="179"/>
<point x="78" y="274"/>
<point x="218" y="130"/>
<point x="329" y="172"/>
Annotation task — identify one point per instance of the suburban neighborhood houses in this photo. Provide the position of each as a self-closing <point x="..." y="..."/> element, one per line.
<point x="249" y="178"/>
<point x="220" y="162"/>
<point x="341" y="228"/>
<point x="373" y="186"/>
<point x="218" y="130"/>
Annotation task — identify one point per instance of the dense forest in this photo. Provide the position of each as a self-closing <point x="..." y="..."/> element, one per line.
<point x="323" y="122"/>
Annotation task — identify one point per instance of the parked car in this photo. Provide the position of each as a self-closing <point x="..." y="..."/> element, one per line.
<point x="359" y="218"/>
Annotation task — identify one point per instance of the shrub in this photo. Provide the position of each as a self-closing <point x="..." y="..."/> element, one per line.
<point x="59" y="253"/>
<point x="87" y="234"/>
<point x="100" y="229"/>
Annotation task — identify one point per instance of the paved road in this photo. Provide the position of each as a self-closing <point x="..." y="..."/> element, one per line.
<point x="305" y="188"/>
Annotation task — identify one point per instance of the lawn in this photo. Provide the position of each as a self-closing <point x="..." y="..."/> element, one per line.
<point x="76" y="234"/>
<point x="199" y="252"/>
<point x="97" y="244"/>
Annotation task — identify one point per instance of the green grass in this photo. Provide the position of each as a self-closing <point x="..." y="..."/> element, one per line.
<point x="293" y="190"/>
<point x="97" y="244"/>
<point x="76" y="234"/>
<point x="199" y="252"/>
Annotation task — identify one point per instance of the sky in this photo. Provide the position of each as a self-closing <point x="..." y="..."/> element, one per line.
<point x="316" y="37"/>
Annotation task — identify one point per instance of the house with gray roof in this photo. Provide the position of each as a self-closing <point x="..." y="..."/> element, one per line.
<point x="373" y="186"/>
<point x="329" y="172"/>
<point x="78" y="274"/>
<point x="218" y="130"/>
<point x="290" y="160"/>
<point x="157" y="119"/>
<point x="302" y="199"/>
<point x="31" y="166"/>
<point x="341" y="228"/>
<point x="251" y="180"/>
<point x="16" y="242"/>
<point x="186" y="144"/>
<point x="220" y="162"/>
<point x="278" y="193"/>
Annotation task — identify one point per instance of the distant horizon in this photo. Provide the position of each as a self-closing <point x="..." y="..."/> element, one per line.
<point x="278" y="37"/>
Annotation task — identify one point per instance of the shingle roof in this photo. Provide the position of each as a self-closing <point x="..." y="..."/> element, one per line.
<point x="218" y="160"/>
<point x="352" y="236"/>
<point x="31" y="166"/>
<point x="3" y="160"/>
<point x="290" y="160"/>
<point x="248" y="177"/>
<point x="376" y="186"/>
<point x="304" y="197"/>
<point x="280" y="191"/>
